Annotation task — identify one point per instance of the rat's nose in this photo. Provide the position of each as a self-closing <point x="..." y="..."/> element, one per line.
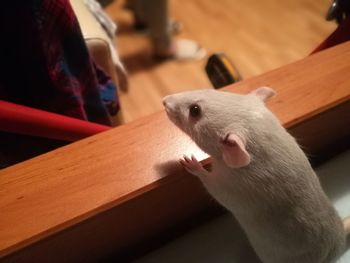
<point x="169" y="103"/>
<point x="166" y="101"/>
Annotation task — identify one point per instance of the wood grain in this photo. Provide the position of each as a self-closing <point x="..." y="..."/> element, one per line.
<point x="106" y="181"/>
<point x="257" y="36"/>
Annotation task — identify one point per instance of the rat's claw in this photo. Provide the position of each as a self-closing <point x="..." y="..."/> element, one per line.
<point x="192" y="165"/>
<point x="187" y="159"/>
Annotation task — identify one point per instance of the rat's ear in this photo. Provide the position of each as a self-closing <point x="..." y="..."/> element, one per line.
<point x="263" y="93"/>
<point x="234" y="152"/>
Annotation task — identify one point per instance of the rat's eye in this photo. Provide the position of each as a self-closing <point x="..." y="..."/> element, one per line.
<point x="195" y="110"/>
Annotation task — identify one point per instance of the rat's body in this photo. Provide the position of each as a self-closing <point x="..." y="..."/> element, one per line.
<point x="260" y="174"/>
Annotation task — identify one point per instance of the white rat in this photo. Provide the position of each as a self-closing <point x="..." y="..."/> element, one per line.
<point x="260" y="174"/>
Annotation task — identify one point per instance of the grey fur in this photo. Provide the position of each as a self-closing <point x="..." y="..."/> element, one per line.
<point x="277" y="198"/>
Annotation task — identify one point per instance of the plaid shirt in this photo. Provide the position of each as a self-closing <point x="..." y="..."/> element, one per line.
<point x="45" y="63"/>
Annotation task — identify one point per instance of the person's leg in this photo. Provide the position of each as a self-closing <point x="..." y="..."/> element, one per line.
<point x="154" y="13"/>
<point x="136" y="7"/>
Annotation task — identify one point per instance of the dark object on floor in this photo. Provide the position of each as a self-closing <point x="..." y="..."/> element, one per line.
<point x="221" y="71"/>
<point x="339" y="10"/>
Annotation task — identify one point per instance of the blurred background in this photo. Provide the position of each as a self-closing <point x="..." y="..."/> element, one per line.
<point x="257" y="36"/>
<point x="116" y="59"/>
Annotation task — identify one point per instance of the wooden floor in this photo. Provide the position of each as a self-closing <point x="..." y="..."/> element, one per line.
<point x="257" y="35"/>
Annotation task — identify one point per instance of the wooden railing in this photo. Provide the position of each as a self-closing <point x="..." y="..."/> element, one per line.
<point x="107" y="192"/>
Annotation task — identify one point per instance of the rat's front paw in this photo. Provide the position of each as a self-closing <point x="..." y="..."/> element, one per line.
<point x="193" y="166"/>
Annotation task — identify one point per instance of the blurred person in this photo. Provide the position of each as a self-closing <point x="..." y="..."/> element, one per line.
<point x="153" y="15"/>
<point x="45" y="63"/>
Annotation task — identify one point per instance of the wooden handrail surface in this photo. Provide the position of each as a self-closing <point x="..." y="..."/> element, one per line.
<point x="57" y="190"/>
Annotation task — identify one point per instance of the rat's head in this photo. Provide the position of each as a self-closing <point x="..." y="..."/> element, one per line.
<point x="219" y="122"/>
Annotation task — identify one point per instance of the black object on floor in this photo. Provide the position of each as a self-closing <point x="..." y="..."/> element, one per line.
<point x="221" y="71"/>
